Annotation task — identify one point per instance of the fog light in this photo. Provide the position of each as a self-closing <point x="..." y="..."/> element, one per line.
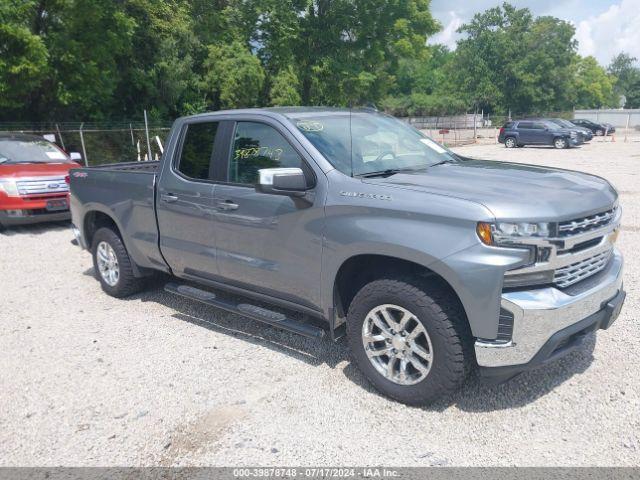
<point x="16" y="213"/>
<point x="527" y="279"/>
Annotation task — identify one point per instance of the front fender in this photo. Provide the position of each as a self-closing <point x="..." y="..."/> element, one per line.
<point x="434" y="231"/>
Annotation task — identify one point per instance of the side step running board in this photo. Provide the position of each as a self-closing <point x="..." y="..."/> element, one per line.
<point x="253" y="312"/>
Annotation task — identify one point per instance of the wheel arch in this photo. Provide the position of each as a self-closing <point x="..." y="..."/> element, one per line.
<point x="93" y="220"/>
<point x="96" y="218"/>
<point x="358" y="270"/>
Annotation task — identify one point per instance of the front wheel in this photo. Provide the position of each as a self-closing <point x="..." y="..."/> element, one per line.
<point x="113" y="266"/>
<point x="560" y="143"/>
<point x="409" y="341"/>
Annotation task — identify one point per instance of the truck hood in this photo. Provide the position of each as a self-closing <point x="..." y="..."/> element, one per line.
<point x="18" y="170"/>
<point x="512" y="191"/>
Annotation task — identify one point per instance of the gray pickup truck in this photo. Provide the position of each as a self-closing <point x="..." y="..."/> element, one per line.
<point x="331" y="222"/>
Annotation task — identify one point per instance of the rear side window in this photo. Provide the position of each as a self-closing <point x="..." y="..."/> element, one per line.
<point x="256" y="146"/>
<point x="508" y="125"/>
<point x="197" y="149"/>
<point x="525" y="125"/>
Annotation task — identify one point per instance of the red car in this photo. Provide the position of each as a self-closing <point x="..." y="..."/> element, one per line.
<point x="33" y="180"/>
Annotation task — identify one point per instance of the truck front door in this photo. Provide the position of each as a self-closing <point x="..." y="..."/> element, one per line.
<point x="271" y="244"/>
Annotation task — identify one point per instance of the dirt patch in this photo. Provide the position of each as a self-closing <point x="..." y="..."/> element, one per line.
<point x="200" y="433"/>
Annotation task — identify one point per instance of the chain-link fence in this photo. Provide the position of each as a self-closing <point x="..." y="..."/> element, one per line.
<point x="100" y="143"/>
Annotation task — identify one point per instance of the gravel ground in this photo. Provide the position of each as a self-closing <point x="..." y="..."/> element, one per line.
<point x="86" y="379"/>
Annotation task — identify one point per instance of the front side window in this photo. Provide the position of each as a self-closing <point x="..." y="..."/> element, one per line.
<point x="27" y="150"/>
<point x="256" y="146"/>
<point x="361" y="143"/>
<point x="197" y="150"/>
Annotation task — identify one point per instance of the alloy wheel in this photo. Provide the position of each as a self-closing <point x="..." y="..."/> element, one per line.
<point x="108" y="264"/>
<point x="397" y="344"/>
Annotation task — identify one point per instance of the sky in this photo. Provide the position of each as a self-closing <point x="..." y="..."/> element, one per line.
<point x="604" y="28"/>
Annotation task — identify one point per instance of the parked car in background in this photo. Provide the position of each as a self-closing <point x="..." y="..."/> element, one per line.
<point x="518" y="133"/>
<point x="586" y="133"/>
<point x="599" y="129"/>
<point x="33" y="180"/>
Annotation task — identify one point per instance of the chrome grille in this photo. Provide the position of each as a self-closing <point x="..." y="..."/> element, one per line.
<point x="39" y="186"/>
<point x="575" y="272"/>
<point x="585" y="224"/>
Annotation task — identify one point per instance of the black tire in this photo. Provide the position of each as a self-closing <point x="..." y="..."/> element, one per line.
<point x="127" y="283"/>
<point x="510" y="142"/>
<point x="560" y="143"/>
<point x="445" y="322"/>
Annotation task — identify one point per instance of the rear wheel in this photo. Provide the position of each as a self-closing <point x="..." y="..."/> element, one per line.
<point x="113" y="266"/>
<point x="510" y="142"/>
<point x="560" y="143"/>
<point x="409" y="341"/>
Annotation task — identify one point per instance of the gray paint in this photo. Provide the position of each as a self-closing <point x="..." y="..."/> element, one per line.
<point x="292" y="249"/>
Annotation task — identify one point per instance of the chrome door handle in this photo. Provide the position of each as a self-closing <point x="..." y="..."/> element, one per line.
<point x="227" y="205"/>
<point x="168" y="197"/>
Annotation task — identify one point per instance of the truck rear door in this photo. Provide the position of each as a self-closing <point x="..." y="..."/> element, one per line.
<point x="185" y="200"/>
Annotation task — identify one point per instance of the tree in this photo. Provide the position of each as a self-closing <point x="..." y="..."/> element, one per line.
<point x="23" y="57"/>
<point x="633" y="95"/>
<point x="343" y="51"/>
<point x="591" y="87"/>
<point x="85" y="50"/>
<point x="284" y="90"/>
<point x="627" y="74"/>
<point x="233" y="76"/>
<point x="509" y="60"/>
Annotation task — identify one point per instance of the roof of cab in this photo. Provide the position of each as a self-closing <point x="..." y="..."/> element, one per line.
<point x="289" y="112"/>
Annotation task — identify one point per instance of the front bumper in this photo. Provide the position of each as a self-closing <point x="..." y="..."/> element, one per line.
<point x="27" y="217"/>
<point x="549" y="322"/>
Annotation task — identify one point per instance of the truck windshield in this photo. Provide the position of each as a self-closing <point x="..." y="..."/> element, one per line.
<point x="30" y="151"/>
<point x="359" y="143"/>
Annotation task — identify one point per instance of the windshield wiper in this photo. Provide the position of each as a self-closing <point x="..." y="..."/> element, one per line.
<point x="448" y="160"/>
<point x="382" y="173"/>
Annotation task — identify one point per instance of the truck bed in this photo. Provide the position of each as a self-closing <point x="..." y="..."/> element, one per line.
<point x="125" y="192"/>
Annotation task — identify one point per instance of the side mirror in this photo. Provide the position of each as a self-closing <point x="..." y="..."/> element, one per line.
<point x="75" y="156"/>
<point x="290" y="182"/>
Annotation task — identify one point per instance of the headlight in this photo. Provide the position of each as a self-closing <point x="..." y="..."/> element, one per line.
<point x="509" y="234"/>
<point x="9" y="188"/>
